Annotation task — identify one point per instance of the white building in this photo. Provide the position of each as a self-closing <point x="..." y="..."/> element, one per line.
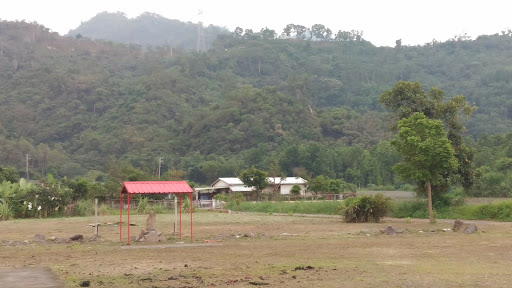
<point x="284" y="185"/>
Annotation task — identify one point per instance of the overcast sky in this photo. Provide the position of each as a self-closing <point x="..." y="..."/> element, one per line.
<point x="383" y="22"/>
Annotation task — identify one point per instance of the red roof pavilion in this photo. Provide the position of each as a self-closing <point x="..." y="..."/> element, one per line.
<point x="153" y="187"/>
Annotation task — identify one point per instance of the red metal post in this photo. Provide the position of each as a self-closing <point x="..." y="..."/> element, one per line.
<point x="128" y="219"/>
<point x="191" y="205"/>
<point x="120" y="216"/>
<point x="180" y="214"/>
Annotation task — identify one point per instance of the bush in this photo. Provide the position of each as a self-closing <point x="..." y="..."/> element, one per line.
<point x="414" y="209"/>
<point x="495" y="211"/>
<point x="235" y="201"/>
<point x="365" y="208"/>
<point x="104" y="209"/>
<point x="453" y="198"/>
<point x="5" y="210"/>
<point x="142" y="206"/>
<point x="83" y="208"/>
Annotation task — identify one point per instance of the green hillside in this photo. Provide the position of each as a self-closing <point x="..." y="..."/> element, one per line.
<point x="77" y="105"/>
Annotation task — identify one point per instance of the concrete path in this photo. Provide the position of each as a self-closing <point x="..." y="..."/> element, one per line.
<point x="37" y="277"/>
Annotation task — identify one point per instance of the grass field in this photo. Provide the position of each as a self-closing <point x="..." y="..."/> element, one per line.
<point x="267" y="250"/>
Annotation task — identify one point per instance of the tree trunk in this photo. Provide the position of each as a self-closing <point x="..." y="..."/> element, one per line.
<point x="430" y="213"/>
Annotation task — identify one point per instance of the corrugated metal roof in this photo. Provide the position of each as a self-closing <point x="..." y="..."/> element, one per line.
<point x="241" y="189"/>
<point x="156" y="187"/>
<point x="287" y="180"/>
<point x="231" y="181"/>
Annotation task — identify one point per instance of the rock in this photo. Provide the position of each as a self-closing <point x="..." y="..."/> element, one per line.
<point x="25" y="242"/>
<point x="39" y="237"/>
<point x="457" y="225"/>
<point x="389" y="231"/>
<point x="76" y="237"/>
<point x="153" y="237"/>
<point x="52" y="238"/>
<point x="86" y="283"/>
<point x="470" y="229"/>
<point x="142" y="234"/>
<point x="151" y="221"/>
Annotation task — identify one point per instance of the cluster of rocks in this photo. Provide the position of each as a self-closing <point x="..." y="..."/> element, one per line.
<point x="150" y="234"/>
<point x="457" y="226"/>
<point x="41" y="238"/>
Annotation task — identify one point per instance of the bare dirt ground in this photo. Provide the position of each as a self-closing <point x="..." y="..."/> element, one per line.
<point x="262" y="250"/>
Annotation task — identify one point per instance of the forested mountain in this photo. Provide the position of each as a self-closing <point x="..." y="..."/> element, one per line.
<point x="148" y="29"/>
<point x="309" y="107"/>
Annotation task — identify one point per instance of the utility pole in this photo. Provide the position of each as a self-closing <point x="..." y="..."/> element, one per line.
<point x="26" y="167"/>
<point x="200" y="47"/>
<point x="159" y="166"/>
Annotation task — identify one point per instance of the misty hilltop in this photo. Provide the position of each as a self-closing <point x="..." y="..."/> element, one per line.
<point x="148" y="29"/>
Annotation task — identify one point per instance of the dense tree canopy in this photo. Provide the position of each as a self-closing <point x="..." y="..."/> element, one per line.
<point x="407" y="98"/>
<point x="427" y="153"/>
<point x="108" y="111"/>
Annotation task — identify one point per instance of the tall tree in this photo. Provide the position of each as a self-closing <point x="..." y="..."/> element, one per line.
<point x="407" y="98"/>
<point x="427" y="152"/>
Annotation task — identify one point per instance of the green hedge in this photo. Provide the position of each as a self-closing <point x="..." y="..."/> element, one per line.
<point x="299" y="207"/>
<point x="499" y="211"/>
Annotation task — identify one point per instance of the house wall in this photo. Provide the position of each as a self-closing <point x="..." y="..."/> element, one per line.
<point x="286" y="188"/>
<point x="270" y="189"/>
<point x="221" y="184"/>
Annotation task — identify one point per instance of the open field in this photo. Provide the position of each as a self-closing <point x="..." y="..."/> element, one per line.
<point x="273" y="251"/>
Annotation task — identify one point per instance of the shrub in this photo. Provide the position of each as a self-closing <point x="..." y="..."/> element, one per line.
<point x="83" y="208"/>
<point x="495" y="211"/>
<point x="365" y="208"/>
<point x="5" y="210"/>
<point x="235" y="201"/>
<point x="416" y="208"/>
<point x="453" y="198"/>
<point x="158" y="208"/>
<point x="142" y="206"/>
<point x="104" y="209"/>
<point x="295" y="190"/>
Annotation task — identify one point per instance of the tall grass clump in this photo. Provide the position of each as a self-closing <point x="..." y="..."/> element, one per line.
<point x="365" y="208"/>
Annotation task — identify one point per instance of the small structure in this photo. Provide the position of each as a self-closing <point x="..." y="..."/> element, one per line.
<point x="153" y="187"/>
<point x="284" y="185"/>
<point x="229" y="185"/>
<point x="221" y="185"/>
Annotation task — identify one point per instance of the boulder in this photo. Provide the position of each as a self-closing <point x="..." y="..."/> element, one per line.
<point x="457" y="225"/>
<point x="470" y="229"/>
<point x="154" y="237"/>
<point x="39" y="237"/>
<point x="76" y="237"/>
<point x="389" y="231"/>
